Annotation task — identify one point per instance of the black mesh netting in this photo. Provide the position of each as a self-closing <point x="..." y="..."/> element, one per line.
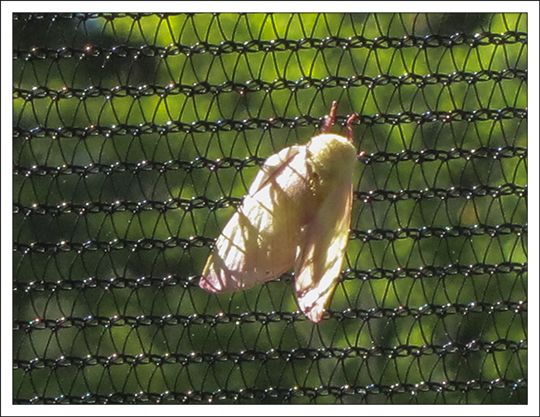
<point x="136" y="135"/>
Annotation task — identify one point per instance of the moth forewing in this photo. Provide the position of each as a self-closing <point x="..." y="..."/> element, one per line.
<point x="259" y="242"/>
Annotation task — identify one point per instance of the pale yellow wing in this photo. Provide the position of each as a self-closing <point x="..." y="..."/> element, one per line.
<point x="259" y="242"/>
<point x="322" y="251"/>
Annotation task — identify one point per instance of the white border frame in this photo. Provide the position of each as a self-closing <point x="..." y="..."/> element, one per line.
<point x="532" y="8"/>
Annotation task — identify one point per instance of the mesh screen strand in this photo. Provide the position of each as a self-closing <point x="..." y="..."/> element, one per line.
<point x="136" y="136"/>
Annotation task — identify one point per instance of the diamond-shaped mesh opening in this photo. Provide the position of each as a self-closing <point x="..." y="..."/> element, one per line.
<point x="136" y="135"/>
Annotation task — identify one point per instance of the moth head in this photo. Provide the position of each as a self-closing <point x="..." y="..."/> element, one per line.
<point x="331" y="156"/>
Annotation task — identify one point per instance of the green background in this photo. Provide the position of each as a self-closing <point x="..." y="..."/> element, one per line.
<point x="125" y="170"/>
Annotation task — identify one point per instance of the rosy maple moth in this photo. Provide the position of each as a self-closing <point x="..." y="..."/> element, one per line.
<point x="297" y="212"/>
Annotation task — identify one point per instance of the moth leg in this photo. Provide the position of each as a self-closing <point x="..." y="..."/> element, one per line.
<point x="350" y="136"/>
<point x="349" y="124"/>
<point x="330" y="119"/>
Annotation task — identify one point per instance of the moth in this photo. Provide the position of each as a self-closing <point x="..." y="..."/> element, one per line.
<point x="297" y="212"/>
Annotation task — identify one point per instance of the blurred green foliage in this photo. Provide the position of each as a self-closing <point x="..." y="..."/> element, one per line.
<point x="62" y="362"/>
